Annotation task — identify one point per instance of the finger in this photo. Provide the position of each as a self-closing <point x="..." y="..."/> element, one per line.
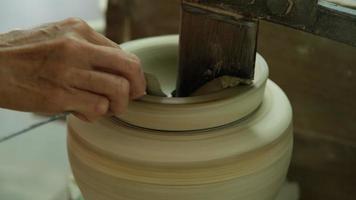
<point x="118" y="62"/>
<point x="115" y="88"/>
<point x="98" y="39"/>
<point x="86" y="105"/>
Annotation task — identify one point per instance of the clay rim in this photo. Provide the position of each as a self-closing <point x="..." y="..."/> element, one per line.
<point x="139" y="44"/>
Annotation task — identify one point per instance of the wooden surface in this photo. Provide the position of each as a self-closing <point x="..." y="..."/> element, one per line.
<point x="213" y="44"/>
<point x="319" y="76"/>
<point x="130" y="19"/>
<point x="117" y="20"/>
<point x="323" y="167"/>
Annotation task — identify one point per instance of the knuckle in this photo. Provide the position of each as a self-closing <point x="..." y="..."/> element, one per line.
<point x="123" y="87"/>
<point x="68" y="44"/>
<point x="136" y="59"/>
<point x="81" y="26"/>
<point x="73" y="21"/>
<point x="134" y="68"/>
<point x="78" y="25"/>
<point x="137" y="64"/>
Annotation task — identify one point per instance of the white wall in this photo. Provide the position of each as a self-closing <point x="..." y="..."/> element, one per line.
<point x="28" y="13"/>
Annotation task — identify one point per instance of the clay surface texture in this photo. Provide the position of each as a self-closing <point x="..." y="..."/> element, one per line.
<point x="234" y="144"/>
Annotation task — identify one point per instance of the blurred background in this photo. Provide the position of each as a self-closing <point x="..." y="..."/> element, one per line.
<point x="317" y="74"/>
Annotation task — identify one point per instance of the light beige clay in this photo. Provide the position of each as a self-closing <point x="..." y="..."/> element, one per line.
<point x="234" y="144"/>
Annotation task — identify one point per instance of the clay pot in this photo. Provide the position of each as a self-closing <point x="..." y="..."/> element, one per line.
<point x="231" y="145"/>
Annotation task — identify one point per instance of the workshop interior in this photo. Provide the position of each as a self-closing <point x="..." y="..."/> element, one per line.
<point x="246" y="100"/>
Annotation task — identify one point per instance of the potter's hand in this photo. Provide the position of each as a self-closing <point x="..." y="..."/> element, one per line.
<point x="67" y="66"/>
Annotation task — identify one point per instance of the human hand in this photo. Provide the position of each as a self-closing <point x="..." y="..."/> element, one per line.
<point x="67" y="66"/>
